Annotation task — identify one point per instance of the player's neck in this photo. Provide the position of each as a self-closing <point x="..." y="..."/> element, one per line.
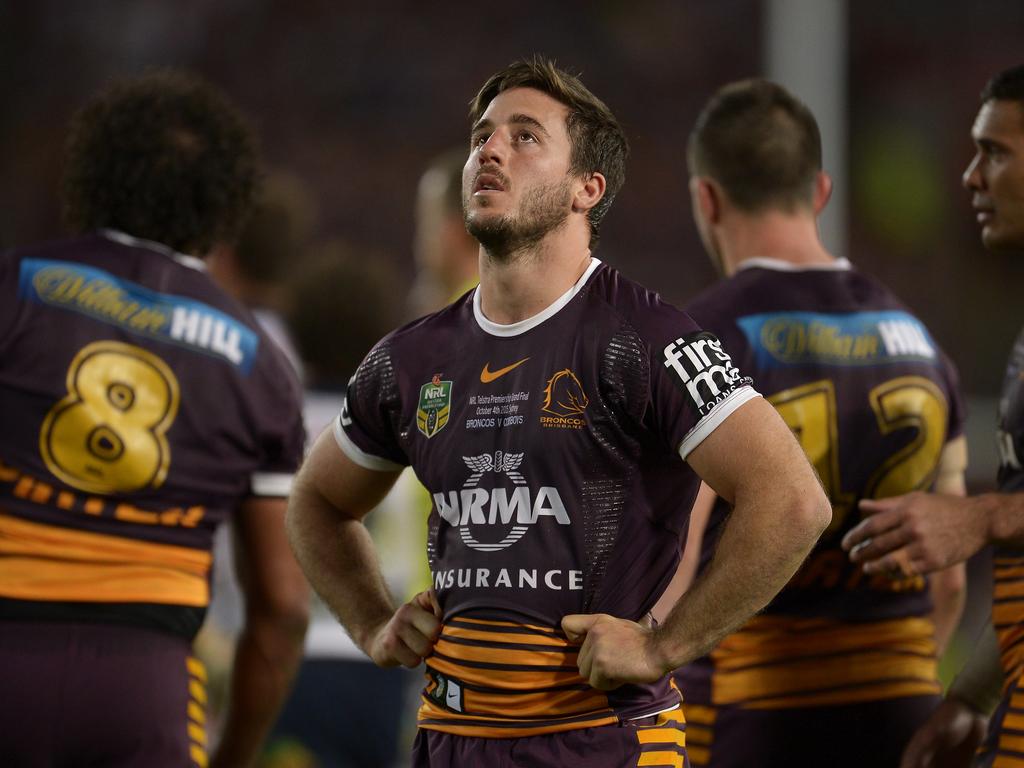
<point x="521" y="284"/>
<point x="790" y="238"/>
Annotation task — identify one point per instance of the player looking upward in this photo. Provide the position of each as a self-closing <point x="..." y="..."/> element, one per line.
<point x="560" y="416"/>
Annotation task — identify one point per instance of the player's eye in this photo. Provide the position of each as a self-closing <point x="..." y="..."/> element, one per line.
<point x="525" y="136"/>
<point x="478" y="139"/>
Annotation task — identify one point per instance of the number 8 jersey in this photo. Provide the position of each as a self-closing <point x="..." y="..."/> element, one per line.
<point x="139" y="405"/>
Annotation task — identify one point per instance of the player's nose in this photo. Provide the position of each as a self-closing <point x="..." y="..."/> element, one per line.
<point x="495" y="149"/>
<point x="972" y="178"/>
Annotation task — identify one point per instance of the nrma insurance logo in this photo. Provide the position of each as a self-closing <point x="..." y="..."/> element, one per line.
<point x="493" y="518"/>
<point x="706" y="373"/>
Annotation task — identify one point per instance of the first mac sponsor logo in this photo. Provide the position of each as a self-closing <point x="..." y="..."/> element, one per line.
<point x="706" y="373"/>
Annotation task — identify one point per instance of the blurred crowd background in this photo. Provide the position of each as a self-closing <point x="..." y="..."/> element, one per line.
<point x="352" y="101"/>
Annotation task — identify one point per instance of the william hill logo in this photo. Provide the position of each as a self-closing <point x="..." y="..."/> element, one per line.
<point x="565" y="400"/>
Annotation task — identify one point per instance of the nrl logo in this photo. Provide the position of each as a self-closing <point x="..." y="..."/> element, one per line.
<point x="498" y="507"/>
<point x="435" y="406"/>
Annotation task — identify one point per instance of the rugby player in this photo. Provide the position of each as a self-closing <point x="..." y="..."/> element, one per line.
<point x="923" y="532"/>
<point x="875" y="405"/>
<point x="141" y="406"/>
<point x="561" y="417"/>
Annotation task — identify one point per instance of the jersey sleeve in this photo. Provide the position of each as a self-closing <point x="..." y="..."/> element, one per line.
<point x="694" y="384"/>
<point x="957" y="406"/>
<point x="366" y="427"/>
<point x="282" y="433"/>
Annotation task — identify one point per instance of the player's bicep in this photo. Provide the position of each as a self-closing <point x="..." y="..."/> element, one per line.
<point x="347" y="486"/>
<point x="751" y="450"/>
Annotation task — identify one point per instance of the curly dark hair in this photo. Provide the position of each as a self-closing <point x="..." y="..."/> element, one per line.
<point x="162" y="157"/>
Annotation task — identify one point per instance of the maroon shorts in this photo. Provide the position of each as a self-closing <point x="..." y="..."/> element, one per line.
<point x="872" y="733"/>
<point x="655" y="742"/>
<point x="99" y="694"/>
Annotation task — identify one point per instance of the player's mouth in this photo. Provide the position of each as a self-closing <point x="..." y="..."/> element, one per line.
<point x="488" y="182"/>
<point x="984" y="212"/>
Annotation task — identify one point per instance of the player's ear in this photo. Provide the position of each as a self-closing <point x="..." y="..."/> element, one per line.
<point x="707" y="198"/>
<point x="590" y="193"/>
<point x="822" y="191"/>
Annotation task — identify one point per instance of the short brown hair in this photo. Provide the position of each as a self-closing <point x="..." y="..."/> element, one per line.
<point x="162" y="157"/>
<point x="598" y="144"/>
<point x="759" y="142"/>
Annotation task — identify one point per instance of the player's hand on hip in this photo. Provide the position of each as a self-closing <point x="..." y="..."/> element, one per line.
<point x="948" y="739"/>
<point x="409" y="636"/>
<point x="614" y="651"/>
<point x="915" y="534"/>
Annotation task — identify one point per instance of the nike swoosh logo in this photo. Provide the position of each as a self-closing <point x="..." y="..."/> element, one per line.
<point x="487" y="375"/>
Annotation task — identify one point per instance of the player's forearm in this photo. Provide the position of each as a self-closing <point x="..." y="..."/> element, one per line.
<point x="267" y="656"/>
<point x="1004" y="513"/>
<point x="338" y="557"/>
<point x="765" y="541"/>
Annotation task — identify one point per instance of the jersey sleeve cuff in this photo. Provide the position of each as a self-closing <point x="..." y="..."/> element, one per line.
<point x="272" y="483"/>
<point x="358" y="455"/>
<point x="720" y="413"/>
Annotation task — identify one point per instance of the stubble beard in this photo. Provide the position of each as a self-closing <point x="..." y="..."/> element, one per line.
<point x="542" y="211"/>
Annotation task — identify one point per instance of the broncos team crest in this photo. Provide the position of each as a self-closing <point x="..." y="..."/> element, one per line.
<point x="565" y="399"/>
<point x="435" y="406"/>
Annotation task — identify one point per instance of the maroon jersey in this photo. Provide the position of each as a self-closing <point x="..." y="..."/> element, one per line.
<point x="1008" y="608"/>
<point x="554" y="452"/>
<point x="139" y="405"/>
<point x="1003" y="743"/>
<point x="873" y="401"/>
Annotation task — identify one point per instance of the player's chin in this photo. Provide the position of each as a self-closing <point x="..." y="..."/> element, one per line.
<point x="995" y="238"/>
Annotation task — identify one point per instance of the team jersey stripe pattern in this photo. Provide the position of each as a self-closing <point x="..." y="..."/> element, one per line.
<point x="777" y="662"/>
<point x="43" y="562"/>
<point x="503" y="679"/>
<point x="1004" y="745"/>
<point x="1008" y="611"/>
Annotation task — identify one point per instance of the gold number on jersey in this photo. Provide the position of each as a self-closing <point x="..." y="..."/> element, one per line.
<point x="908" y="401"/>
<point x="810" y="411"/>
<point x="109" y="433"/>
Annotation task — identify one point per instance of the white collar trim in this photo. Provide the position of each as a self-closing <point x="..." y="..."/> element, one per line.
<point x="137" y="242"/>
<point x="839" y="265"/>
<point x="515" y="329"/>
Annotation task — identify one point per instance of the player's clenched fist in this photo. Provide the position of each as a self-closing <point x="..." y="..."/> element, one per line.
<point x="615" y="651"/>
<point x="409" y="636"/>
